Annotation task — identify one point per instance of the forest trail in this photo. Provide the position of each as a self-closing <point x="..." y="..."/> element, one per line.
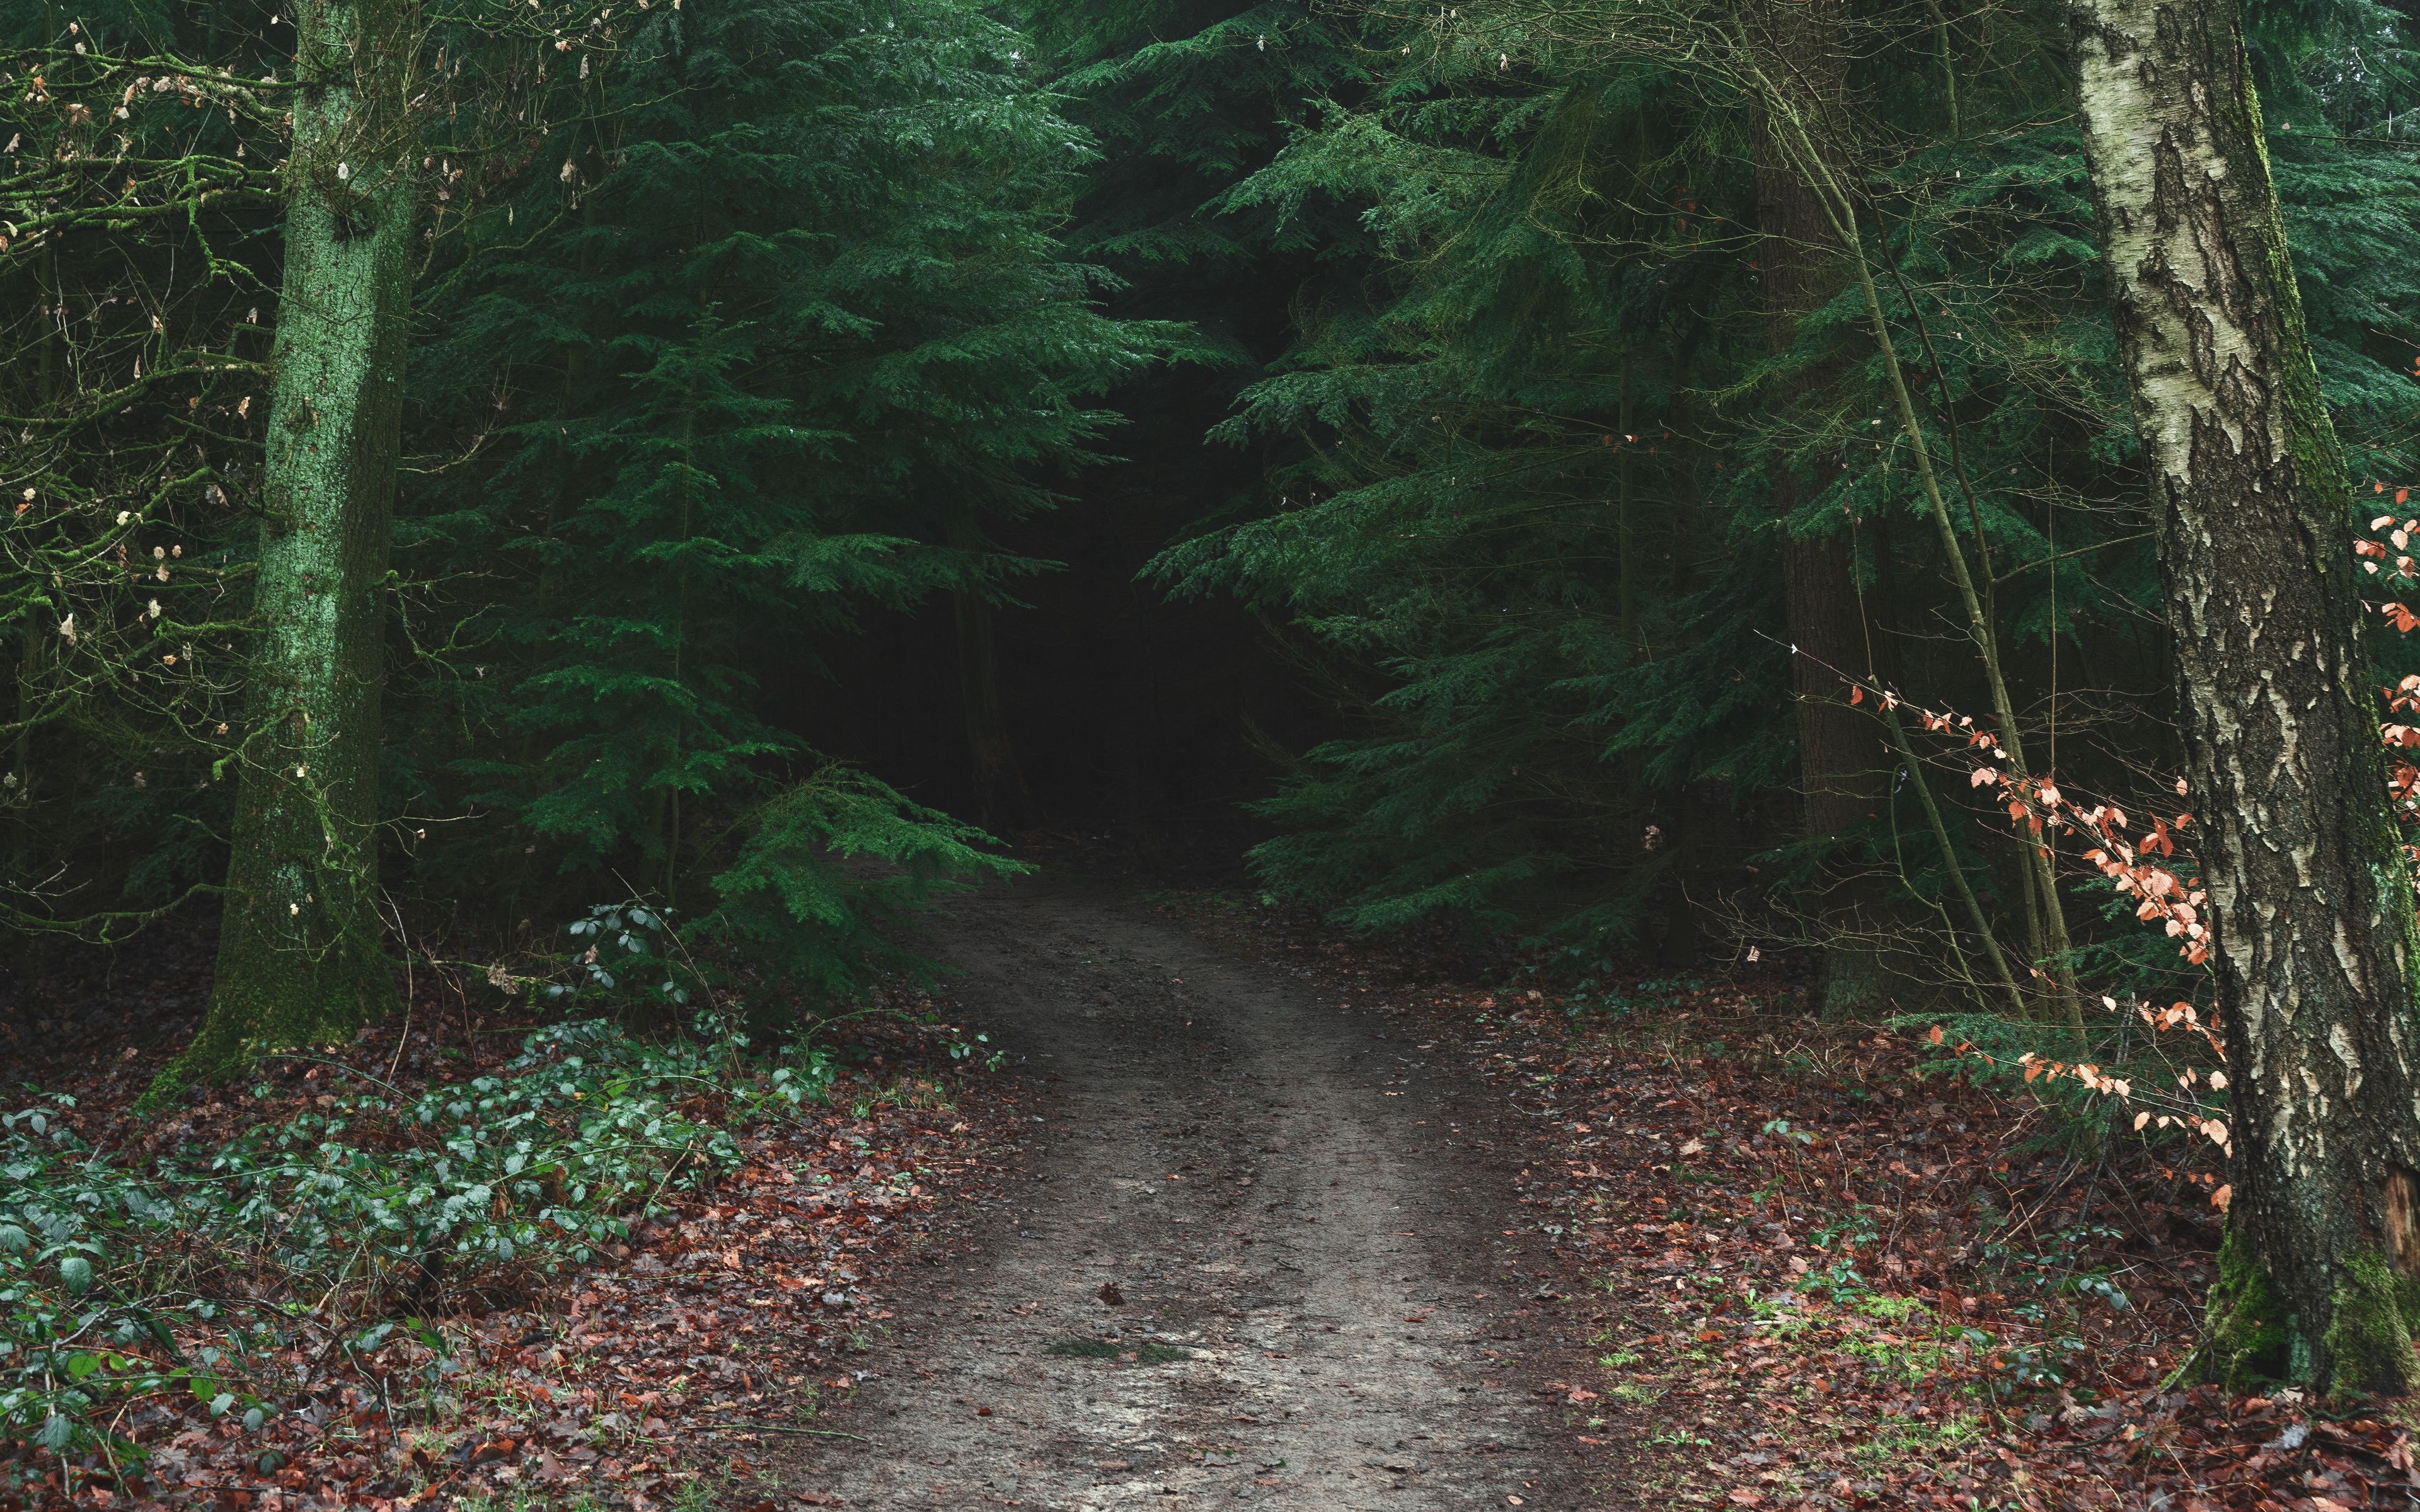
<point x="1288" y="1191"/>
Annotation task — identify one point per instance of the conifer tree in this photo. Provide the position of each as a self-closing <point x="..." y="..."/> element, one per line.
<point x="1457" y="545"/>
<point x="795" y="330"/>
<point x="1842" y="776"/>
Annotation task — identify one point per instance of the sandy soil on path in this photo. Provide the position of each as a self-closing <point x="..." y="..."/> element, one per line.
<point x="1305" y="1217"/>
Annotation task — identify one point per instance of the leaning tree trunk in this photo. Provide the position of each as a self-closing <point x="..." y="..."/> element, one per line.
<point x="2310" y="899"/>
<point x="1842" y="772"/>
<point x="300" y="953"/>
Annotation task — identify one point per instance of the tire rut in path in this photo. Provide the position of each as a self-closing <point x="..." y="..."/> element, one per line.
<point x="1281" y="1189"/>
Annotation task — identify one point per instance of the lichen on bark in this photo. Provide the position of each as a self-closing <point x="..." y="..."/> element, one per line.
<point x="2310" y="899"/>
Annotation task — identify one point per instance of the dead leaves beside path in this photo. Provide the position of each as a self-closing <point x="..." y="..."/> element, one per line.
<point x="1803" y="1268"/>
<point x="669" y="1371"/>
<point x="1792" y="1267"/>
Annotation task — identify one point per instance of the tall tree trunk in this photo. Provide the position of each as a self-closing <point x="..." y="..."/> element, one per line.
<point x="299" y="954"/>
<point x="2310" y="899"/>
<point x="1625" y="538"/>
<point x="1001" y="800"/>
<point x="1796" y="132"/>
<point x="1840" y="768"/>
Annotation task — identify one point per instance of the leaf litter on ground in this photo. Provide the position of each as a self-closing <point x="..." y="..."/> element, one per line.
<point x="656" y="1361"/>
<point x="1810" y="1269"/>
<point x="1817" y="1267"/>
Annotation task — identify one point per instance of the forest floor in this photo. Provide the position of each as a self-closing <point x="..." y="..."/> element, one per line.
<point x="1248" y="1211"/>
<point x="1385" y="1234"/>
<point x="1259" y="1250"/>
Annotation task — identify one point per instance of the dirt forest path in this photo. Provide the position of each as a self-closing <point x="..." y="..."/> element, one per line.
<point x="1306" y="1206"/>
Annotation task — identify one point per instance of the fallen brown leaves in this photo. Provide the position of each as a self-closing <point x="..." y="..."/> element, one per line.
<point x="1807" y="1269"/>
<point x="725" y="1325"/>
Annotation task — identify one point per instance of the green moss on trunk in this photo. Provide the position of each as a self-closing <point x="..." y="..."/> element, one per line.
<point x="2250" y="1335"/>
<point x="2367" y="1345"/>
<point x="2310" y="899"/>
<point x="301" y="960"/>
<point x="2369" y="1336"/>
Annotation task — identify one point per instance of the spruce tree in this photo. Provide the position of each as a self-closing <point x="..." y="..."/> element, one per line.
<point x="1544" y="682"/>
<point x="794" y="329"/>
<point x="1843" y="775"/>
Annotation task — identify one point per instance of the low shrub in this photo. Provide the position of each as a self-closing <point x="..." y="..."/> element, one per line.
<point x="118" y="1282"/>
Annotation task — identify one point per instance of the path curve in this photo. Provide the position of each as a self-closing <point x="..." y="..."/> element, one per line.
<point x="1304" y="1214"/>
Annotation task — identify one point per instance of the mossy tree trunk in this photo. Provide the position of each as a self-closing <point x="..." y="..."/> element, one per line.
<point x="2310" y="899"/>
<point x="299" y="952"/>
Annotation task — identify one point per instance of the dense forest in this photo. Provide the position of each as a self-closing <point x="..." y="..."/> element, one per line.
<point x="604" y="512"/>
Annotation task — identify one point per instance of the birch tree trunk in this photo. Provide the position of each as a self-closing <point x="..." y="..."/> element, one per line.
<point x="299" y="954"/>
<point x="2309" y="897"/>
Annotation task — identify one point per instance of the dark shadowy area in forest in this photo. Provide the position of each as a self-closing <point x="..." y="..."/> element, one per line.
<point x="1128" y="711"/>
<point x="1130" y="715"/>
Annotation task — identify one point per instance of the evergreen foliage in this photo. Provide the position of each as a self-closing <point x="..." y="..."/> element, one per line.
<point x="793" y="329"/>
<point x="1536" y="509"/>
<point x="1190" y="97"/>
<point x="751" y="318"/>
<point x="747" y="323"/>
